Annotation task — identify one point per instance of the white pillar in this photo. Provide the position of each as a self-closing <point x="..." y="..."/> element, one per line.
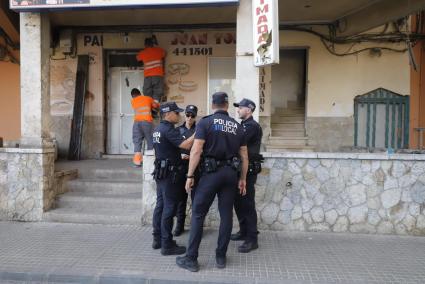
<point x="247" y="75"/>
<point x="35" y="80"/>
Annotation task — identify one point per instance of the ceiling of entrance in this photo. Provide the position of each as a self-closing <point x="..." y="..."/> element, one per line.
<point x="289" y="11"/>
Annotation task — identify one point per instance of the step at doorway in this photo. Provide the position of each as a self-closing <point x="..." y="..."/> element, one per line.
<point x="289" y="94"/>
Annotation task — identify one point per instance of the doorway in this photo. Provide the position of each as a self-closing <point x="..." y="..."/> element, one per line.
<point x="124" y="74"/>
<point x="289" y="80"/>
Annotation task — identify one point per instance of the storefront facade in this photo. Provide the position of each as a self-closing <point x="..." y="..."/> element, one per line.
<point x="320" y="97"/>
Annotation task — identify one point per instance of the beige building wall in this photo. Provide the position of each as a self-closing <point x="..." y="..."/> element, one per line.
<point x="10" y="103"/>
<point x="334" y="81"/>
<point x="191" y="87"/>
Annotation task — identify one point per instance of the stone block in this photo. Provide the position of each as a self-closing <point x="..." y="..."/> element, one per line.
<point x="286" y="204"/>
<point x="356" y="195"/>
<point x="390" y="198"/>
<point x="420" y="222"/>
<point x="297" y="212"/>
<point x="269" y="213"/>
<point x="390" y="183"/>
<point x="418" y="168"/>
<point x="362" y="229"/>
<point x="317" y="214"/>
<point x="417" y="192"/>
<point x="374" y="203"/>
<point x="341" y="225"/>
<point x="321" y="227"/>
<point x="331" y="216"/>
<point x="284" y="217"/>
<point x="385" y="228"/>
<point x="409" y="222"/>
<point x="398" y="169"/>
<point x="357" y="214"/>
<point x="373" y="217"/>
<point x="322" y="174"/>
<point x="414" y="209"/>
<point x="307" y="204"/>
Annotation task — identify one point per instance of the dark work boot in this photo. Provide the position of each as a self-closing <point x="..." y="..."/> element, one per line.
<point x="248" y="246"/>
<point x="220" y="262"/>
<point x="187" y="263"/>
<point x="238" y="236"/>
<point x="156" y="244"/>
<point x="179" y="229"/>
<point x="173" y="249"/>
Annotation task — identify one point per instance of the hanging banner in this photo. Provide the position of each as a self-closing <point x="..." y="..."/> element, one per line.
<point x="266" y="32"/>
<point x="22" y="5"/>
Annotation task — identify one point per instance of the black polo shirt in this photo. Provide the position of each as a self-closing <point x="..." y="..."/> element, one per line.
<point x="222" y="134"/>
<point x="166" y="142"/>
<point x="253" y="135"/>
<point x="186" y="133"/>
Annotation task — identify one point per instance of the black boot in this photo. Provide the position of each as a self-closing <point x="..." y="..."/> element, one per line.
<point x="238" y="236"/>
<point x="156" y="244"/>
<point x="248" y="246"/>
<point x="220" y="262"/>
<point x="179" y="229"/>
<point x="173" y="249"/>
<point x="187" y="263"/>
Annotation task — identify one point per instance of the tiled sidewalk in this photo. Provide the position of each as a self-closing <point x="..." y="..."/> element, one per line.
<point x="68" y="253"/>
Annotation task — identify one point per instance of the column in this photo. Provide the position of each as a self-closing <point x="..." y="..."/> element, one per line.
<point x="247" y="75"/>
<point x="35" y="80"/>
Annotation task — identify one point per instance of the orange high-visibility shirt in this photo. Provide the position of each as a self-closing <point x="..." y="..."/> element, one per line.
<point x="152" y="58"/>
<point x="142" y="106"/>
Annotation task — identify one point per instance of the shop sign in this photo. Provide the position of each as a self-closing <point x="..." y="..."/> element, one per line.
<point x="71" y="4"/>
<point x="266" y="32"/>
<point x="265" y="91"/>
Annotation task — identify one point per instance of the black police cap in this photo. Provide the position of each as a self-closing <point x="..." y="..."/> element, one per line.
<point x="192" y="109"/>
<point x="169" y="106"/>
<point x="246" y="103"/>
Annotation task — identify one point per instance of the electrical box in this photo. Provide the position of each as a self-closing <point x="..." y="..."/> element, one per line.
<point x="66" y="41"/>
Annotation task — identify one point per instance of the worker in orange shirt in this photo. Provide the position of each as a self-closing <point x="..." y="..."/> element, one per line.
<point x="153" y="62"/>
<point x="142" y="126"/>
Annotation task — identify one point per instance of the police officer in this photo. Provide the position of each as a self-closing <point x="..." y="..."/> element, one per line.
<point x="245" y="205"/>
<point x="221" y="141"/>
<point x="168" y="174"/>
<point x="186" y="130"/>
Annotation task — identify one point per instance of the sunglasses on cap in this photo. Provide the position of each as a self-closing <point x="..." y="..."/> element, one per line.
<point x="190" y="115"/>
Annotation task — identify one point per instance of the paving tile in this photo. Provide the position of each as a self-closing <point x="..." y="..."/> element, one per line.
<point x="79" y="253"/>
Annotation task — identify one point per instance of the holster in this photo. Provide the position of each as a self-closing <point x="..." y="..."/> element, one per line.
<point x="161" y="170"/>
<point x="254" y="166"/>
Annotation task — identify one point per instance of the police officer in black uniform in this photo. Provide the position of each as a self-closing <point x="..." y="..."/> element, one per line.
<point x="169" y="176"/>
<point x="221" y="141"/>
<point x="245" y="205"/>
<point x="186" y="130"/>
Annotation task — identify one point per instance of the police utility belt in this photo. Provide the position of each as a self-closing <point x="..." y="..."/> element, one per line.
<point x="254" y="166"/>
<point x="165" y="169"/>
<point x="211" y="165"/>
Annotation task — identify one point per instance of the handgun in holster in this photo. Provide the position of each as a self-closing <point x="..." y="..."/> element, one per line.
<point x="236" y="164"/>
<point x="161" y="169"/>
<point x="254" y="166"/>
<point x="209" y="165"/>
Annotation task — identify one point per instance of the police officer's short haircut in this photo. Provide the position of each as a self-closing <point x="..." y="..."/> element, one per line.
<point x="135" y="91"/>
<point x="148" y="42"/>
<point x="221" y="105"/>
